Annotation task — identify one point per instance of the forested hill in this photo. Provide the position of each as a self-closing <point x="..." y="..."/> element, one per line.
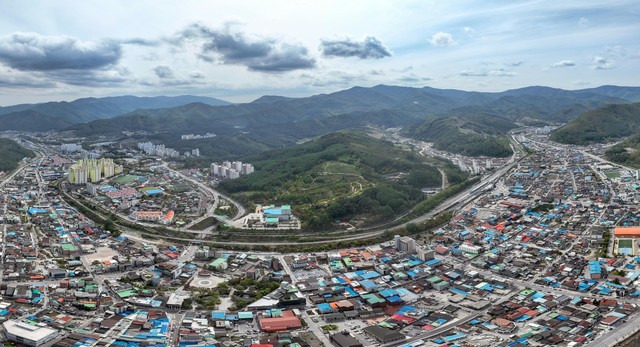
<point x="340" y="176"/>
<point x="11" y="153"/>
<point x="626" y="152"/>
<point x="479" y="135"/>
<point x="606" y="123"/>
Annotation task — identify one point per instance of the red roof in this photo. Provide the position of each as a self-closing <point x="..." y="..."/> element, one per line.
<point x="627" y="231"/>
<point x="286" y="322"/>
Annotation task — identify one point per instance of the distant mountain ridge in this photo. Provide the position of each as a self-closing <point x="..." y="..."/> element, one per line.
<point x="60" y="115"/>
<point x="401" y="105"/>
<point x="272" y="122"/>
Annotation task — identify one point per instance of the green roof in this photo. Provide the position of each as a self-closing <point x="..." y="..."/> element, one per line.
<point x="272" y="220"/>
<point x="127" y="293"/>
<point x="218" y="261"/>
<point x="245" y="315"/>
<point x="68" y="247"/>
<point x="372" y="299"/>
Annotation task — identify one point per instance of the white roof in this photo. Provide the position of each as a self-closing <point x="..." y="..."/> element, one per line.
<point x="28" y="331"/>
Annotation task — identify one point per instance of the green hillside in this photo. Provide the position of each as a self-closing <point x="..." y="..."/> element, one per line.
<point x="339" y="176"/>
<point x="626" y="152"/>
<point x="11" y="153"/>
<point x="478" y="135"/>
<point x="600" y="125"/>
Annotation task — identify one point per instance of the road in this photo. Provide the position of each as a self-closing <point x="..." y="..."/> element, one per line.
<point x="209" y="192"/>
<point x="435" y="332"/>
<point x="313" y="326"/>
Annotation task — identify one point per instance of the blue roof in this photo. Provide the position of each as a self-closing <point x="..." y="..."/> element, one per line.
<point x="153" y="191"/>
<point x="394" y="298"/>
<point x="459" y="291"/>
<point x="594" y="267"/>
<point x="432" y="262"/>
<point x="388" y="292"/>
<point x="325" y="308"/>
<point x="351" y="291"/>
<point x="368" y="275"/>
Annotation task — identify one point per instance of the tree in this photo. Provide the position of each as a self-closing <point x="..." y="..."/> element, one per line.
<point x="187" y="304"/>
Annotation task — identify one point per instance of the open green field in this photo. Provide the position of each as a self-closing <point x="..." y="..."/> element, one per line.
<point x="625" y="243"/>
<point x="612" y="174"/>
<point x="126" y="179"/>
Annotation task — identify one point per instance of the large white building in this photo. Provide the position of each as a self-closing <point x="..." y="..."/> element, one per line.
<point x="92" y="170"/>
<point x="70" y="147"/>
<point x="230" y="170"/>
<point x="405" y="244"/>
<point x="159" y="150"/>
<point x="27" y="334"/>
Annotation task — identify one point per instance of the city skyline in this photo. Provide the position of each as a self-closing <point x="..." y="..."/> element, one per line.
<point x="66" y="50"/>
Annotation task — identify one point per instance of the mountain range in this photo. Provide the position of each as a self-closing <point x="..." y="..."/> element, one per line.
<point x="60" y="115"/>
<point x="275" y="121"/>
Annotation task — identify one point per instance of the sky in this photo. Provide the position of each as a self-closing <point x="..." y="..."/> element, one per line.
<point x="240" y="50"/>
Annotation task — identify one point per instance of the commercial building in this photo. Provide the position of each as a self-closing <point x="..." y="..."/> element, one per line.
<point x="425" y="254"/>
<point x="28" y="334"/>
<point x="278" y="320"/>
<point x="344" y="339"/>
<point x="405" y="244"/>
<point x="627" y="232"/>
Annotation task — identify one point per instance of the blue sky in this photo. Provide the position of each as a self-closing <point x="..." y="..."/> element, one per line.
<point x="238" y="51"/>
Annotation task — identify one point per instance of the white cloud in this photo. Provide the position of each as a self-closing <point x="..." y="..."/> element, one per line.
<point x="602" y="63"/>
<point x="563" y="63"/>
<point x="487" y="73"/>
<point x="442" y="39"/>
<point x="468" y="30"/>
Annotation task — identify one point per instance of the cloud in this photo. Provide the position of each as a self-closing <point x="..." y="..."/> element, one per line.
<point x="515" y="63"/>
<point x="602" y="63"/>
<point x="13" y="81"/>
<point x="163" y="71"/>
<point x="413" y="78"/>
<point x="35" y="52"/>
<point x="196" y="75"/>
<point x="370" y="48"/>
<point x="486" y="73"/>
<point x="442" y="39"/>
<point x="473" y="73"/>
<point x="231" y="46"/>
<point x="90" y="78"/>
<point x="468" y="30"/>
<point x="141" y="42"/>
<point x="583" y="21"/>
<point x="563" y="63"/>
<point x="501" y="73"/>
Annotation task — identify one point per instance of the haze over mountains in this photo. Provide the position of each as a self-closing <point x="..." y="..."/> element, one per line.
<point x="59" y="115"/>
